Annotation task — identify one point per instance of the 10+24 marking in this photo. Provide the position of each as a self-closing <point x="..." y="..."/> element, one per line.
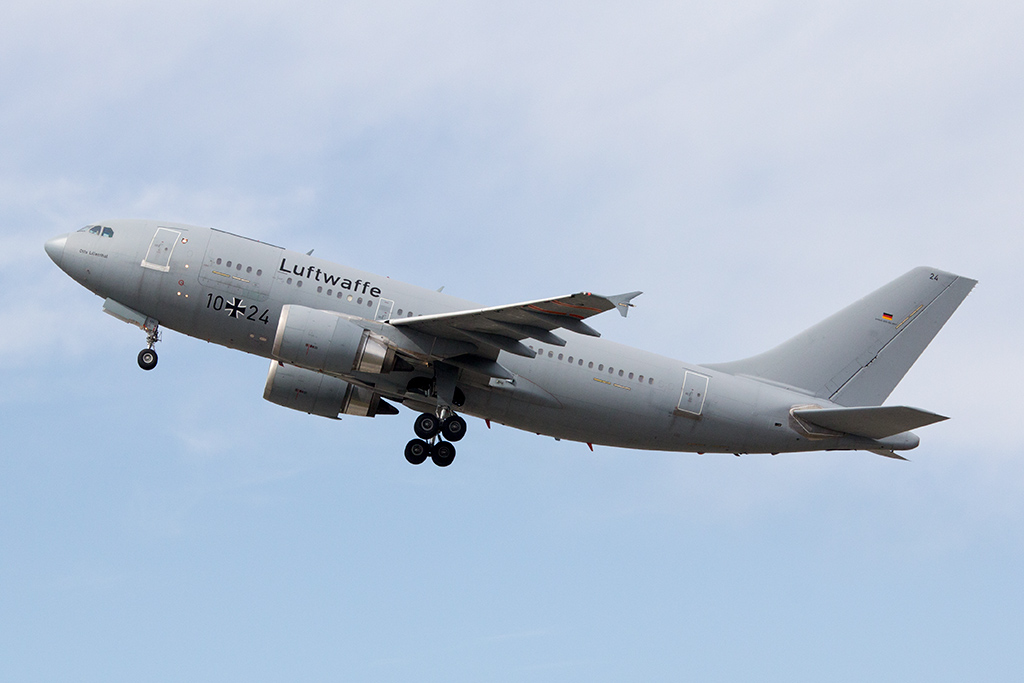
<point x="236" y="308"/>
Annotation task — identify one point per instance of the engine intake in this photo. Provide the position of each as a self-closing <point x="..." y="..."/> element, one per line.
<point x="330" y="342"/>
<point x="319" y="394"/>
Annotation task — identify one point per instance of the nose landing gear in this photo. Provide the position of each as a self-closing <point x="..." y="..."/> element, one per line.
<point x="147" y="356"/>
<point x="428" y="445"/>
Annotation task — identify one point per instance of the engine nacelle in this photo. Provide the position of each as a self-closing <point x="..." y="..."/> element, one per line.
<point x="330" y="342"/>
<point x="320" y="394"/>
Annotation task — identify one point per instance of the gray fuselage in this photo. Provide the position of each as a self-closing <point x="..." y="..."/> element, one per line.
<point x="230" y="290"/>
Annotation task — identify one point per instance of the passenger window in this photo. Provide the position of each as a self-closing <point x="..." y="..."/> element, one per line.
<point x="218" y="262"/>
<point x="620" y="373"/>
<point x="650" y="380"/>
<point x="400" y="313"/>
<point x="248" y="269"/>
<point x="259" y="272"/>
<point x="601" y="367"/>
<point x="329" y="292"/>
<point x="641" y="379"/>
<point x="631" y="375"/>
<point x="550" y="354"/>
<point x="289" y="280"/>
<point x="238" y="267"/>
<point x="611" y="370"/>
<point x="359" y="300"/>
<point x="319" y="290"/>
<point x="228" y="264"/>
<point x="570" y="359"/>
<point x="560" y="356"/>
<point x="581" y="362"/>
<point x="590" y="365"/>
<point x="299" y="283"/>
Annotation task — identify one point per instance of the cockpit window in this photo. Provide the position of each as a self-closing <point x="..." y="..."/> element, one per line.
<point x="101" y="230"/>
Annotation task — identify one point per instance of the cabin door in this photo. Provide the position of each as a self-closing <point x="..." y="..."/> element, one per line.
<point x="695" y="390"/>
<point x="160" y="249"/>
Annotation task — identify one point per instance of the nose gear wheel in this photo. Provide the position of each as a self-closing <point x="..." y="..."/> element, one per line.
<point x="147" y="359"/>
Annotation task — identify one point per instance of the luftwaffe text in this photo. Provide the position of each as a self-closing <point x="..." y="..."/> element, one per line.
<point x="317" y="275"/>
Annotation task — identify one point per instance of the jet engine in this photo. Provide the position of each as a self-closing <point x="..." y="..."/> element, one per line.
<point x="330" y="342"/>
<point x="320" y="394"/>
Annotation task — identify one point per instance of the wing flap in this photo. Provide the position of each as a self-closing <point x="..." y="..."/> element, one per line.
<point x="873" y="422"/>
<point x="483" y="366"/>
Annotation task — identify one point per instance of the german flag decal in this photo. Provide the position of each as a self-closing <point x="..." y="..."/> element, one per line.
<point x="887" y="316"/>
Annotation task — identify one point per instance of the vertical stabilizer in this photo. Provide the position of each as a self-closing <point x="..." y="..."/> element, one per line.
<point x="858" y="356"/>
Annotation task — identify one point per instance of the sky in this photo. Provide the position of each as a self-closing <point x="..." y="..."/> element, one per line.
<point x="751" y="166"/>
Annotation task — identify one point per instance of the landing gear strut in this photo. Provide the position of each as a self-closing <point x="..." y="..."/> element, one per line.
<point x="427" y="427"/>
<point x="147" y="356"/>
<point x="443" y="422"/>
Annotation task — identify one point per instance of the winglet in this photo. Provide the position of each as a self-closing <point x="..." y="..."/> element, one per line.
<point x="622" y="302"/>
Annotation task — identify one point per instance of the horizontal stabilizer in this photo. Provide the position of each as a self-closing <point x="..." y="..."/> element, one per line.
<point x="873" y="422"/>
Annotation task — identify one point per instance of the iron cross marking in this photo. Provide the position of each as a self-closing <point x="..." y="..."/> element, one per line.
<point x="234" y="308"/>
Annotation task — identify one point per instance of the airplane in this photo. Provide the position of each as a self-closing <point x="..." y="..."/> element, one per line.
<point x="342" y="341"/>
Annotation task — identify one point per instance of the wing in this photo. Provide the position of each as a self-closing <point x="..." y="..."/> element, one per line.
<point x="502" y="328"/>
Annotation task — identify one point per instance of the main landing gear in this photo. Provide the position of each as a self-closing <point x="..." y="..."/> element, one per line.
<point x="428" y="427"/>
<point x="147" y="356"/>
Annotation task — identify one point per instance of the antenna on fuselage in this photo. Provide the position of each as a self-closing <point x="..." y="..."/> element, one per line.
<point x="309" y="253"/>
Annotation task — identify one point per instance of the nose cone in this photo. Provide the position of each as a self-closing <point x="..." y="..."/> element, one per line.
<point x="55" y="249"/>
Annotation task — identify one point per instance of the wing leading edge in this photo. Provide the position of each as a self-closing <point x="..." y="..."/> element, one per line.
<point x="502" y="328"/>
